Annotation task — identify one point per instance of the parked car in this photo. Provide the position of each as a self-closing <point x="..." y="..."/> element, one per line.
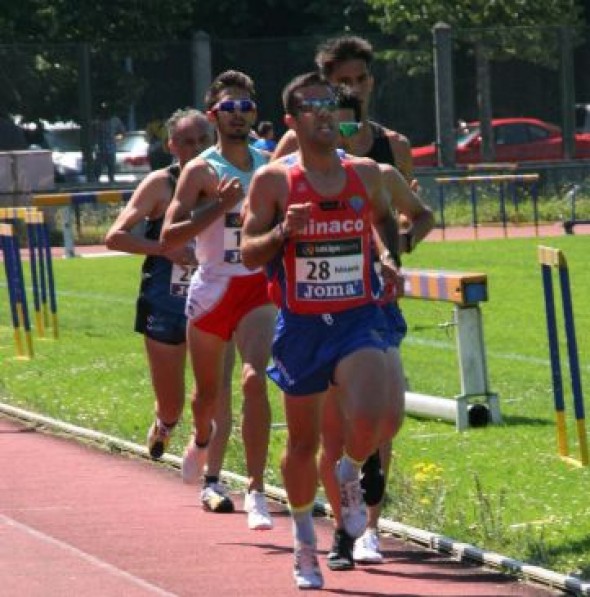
<point x="132" y="154"/>
<point x="63" y="140"/>
<point x="515" y="140"/>
<point x="582" y="118"/>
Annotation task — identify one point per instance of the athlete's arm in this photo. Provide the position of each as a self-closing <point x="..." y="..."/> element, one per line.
<point x="383" y="220"/>
<point x="265" y="229"/>
<point x="198" y="201"/>
<point x="287" y="144"/>
<point x="144" y="203"/>
<point x="419" y="217"/>
<point x="402" y="152"/>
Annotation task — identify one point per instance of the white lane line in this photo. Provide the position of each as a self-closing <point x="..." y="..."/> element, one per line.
<point x="85" y="556"/>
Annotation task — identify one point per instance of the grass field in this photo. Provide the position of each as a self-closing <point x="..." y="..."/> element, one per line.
<point x="500" y="487"/>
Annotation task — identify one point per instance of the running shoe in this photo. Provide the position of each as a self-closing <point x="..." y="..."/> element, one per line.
<point x="372" y="480"/>
<point x="354" y="510"/>
<point x="158" y="438"/>
<point x="366" y="548"/>
<point x="194" y="458"/>
<point x="340" y="556"/>
<point x="258" y="517"/>
<point x="306" y="571"/>
<point x="215" y="498"/>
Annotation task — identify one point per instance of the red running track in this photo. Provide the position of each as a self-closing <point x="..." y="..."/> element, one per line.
<point x="76" y="520"/>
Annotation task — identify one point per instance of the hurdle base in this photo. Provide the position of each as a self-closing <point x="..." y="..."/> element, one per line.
<point x="465" y="410"/>
<point x="568" y="225"/>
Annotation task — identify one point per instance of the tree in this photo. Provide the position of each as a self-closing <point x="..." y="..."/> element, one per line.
<point x="497" y="30"/>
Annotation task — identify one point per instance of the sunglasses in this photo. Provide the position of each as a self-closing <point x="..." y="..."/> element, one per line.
<point x="316" y="104"/>
<point x="349" y="129"/>
<point x="243" y="105"/>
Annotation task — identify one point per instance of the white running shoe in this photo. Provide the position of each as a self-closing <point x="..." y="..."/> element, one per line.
<point x="194" y="458"/>
<point x="354" y="510"/>
<point x="306" y="571"/>
<point x="366" y="548"/>
<point x="258" y="517"/>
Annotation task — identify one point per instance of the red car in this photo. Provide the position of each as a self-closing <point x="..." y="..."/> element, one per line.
<point x="516" y="140"/>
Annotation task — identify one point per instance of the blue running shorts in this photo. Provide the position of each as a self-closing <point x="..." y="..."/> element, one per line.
<point x="159" y="325"/>
<point x="307" y="348"/>
<point x="397" y="327"/>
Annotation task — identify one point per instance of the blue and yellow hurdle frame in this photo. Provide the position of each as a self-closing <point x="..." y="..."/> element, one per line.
<point x="549" y="259"/>
<point x="16" y="290"/>
<point x="41" y="264"/>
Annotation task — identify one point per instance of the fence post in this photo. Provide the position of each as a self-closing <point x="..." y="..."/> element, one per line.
<point x="443" y="84"/>
<point x="201" y="61"/>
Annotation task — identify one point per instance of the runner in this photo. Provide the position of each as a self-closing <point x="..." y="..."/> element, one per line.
<point x="345" y="551"/>
<point x="165" y="276"/>
<point x="225" y="299"/>
<point x="311" y="221"/>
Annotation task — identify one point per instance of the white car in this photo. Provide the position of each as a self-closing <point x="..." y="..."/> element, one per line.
<point x="132" y="155"/>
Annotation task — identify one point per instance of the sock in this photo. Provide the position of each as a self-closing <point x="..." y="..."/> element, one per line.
<point x="348" y="469"/>
<point x="211" y="479"/>
<point x="303" y="530"/>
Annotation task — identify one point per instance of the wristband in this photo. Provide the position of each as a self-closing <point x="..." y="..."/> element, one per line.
<point x="410" y="241"/>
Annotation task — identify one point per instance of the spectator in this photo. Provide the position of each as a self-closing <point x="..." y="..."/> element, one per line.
<point x="105" y="129"/>
<point x="12" y="136"/>
<point x="266" y="136"/>
<point x="158" y="155"/>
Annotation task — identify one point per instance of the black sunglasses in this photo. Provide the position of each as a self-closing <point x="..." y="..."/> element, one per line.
<point x="243" y="105"/>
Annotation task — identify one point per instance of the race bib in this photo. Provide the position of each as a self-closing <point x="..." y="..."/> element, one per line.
<point x="329" y="270"/>
<point x="180" y="279"/>
<point x="231" y="238"/>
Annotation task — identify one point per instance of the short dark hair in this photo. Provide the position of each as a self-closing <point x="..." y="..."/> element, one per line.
<point x="339" y="49"/>
<point x="226" y="79"/>
<point x="264" y="127"/>
<point x="346" y="98"/>
<point x="290" y="99"/>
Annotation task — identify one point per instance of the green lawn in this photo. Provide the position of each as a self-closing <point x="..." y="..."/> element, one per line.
<point x="501" y="487"/>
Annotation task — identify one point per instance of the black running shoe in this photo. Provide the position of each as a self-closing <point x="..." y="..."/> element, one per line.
<point x="373" y="480"/>
<point x="340" y="556"/>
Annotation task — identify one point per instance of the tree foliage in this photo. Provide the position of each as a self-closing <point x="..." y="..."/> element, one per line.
<point x="508" y="28"/>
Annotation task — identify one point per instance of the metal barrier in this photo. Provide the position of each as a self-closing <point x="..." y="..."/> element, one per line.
<point x="496" y="179"/>
<point x="476" y="405"/>
<point x="70" y="200"/>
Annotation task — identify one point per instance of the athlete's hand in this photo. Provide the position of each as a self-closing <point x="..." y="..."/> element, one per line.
<point x="393" y="280"/>
<point x="230" y="191"/>
<point x="296" y="218"/>
<point x="184" y="255"/>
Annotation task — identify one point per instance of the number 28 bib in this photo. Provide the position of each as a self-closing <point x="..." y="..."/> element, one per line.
<point x="328" y="265"/>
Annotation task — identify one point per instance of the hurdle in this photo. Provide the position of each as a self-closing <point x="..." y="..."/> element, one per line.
<point x="549" y="259"/>
<point x="568" y="225"/>
<point x="40" y="262"/>
<point x="16" y="291"/>
<point x="71" y="200"/>
<point x="476" y="405"/>
<point x="501" y="180"/>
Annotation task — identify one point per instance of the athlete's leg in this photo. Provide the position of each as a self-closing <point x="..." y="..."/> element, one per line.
<point x="253" y="339"/>
<point x="167" y="365"/>
<point x="223" y="416"/>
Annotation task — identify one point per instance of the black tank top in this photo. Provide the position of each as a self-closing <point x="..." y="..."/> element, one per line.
<point x="156" y="270"/>
<point x="380" y="151"/>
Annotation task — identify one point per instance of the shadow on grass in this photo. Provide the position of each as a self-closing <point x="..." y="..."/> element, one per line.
<point x="530" y="421"/>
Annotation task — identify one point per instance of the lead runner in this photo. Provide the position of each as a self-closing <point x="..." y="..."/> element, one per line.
<point x="311" y="221"/>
